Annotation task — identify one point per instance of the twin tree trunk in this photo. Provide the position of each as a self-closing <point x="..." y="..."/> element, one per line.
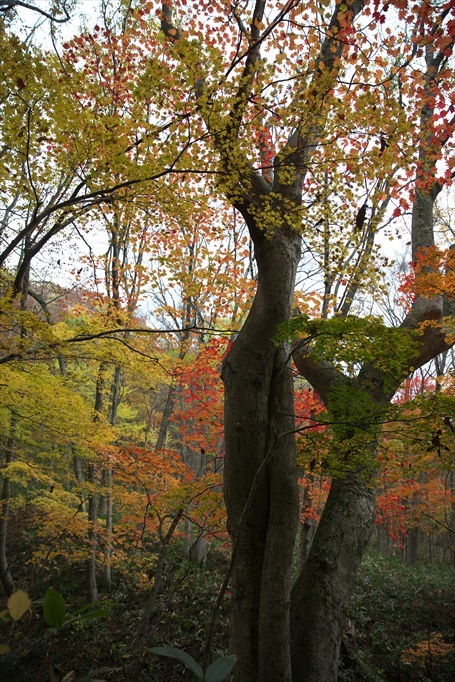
<point x="262" y="501"/>
<point x="260" y="470"/>
<point x="260" y="474"/>
<point x="279" y="633"/>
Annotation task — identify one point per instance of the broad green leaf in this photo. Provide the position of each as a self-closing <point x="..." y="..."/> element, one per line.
<point x="220" y="669"/>
<point x="18" y="604"/>
<point x="54" y="609"/>
<point x="181" y="656"/>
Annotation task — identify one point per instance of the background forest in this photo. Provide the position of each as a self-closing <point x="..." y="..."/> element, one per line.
<point x="191" y="195"/>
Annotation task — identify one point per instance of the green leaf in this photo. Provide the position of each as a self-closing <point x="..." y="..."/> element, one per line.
<point x="95" y="606"/>
<point x="181" y="656"/>
<point x="18" y="604"/>
<point x="220" y="669"/>
<point x="92" y="676"/>
<point x="54" y="609"/>
<point x="99" y="613"/>
<point x="86" y="607"/>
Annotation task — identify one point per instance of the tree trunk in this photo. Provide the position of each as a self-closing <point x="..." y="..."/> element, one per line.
<point x="107" y="574"/>
<point x="321" y="594"/>
<point x="307" y="526"/>
<point x="107" y="480"/>
<point x="307" y="530"/>
<point x="92" y="589"/>
<point x="195" y="545"/>
<point x="5" y="573"/>
<point x="260" y="471"/>
<point x="430" y="548"/>
<point x="452" y="518"/>
<point x="168" y="408"/>
<point x="93" y="497"/>
<point x="379" y="538"/>
<point x="413" y="534"/>
<point x="412" y="546"/>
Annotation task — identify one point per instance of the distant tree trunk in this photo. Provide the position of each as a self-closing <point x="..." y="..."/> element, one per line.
<point x="141" y="637"/>
<point x="5" y="573"/>
<point x="78" y="469"/>
<point x="307" y="531"/>
<point x="413" y="534"/>
<point x="107" y="480"/>
<point x="412" y="546"/>
<point x="92" y="480"/>
<point x="195" y="544"/>
<point x="307" y="526"/>
<point x="93" y="496"/>
<point x="452" y="524"/>
<point x="378" y="538"/>
<point x="430" y="548"/>
<point x="168" y="408"/>
<point x="107" y="574"/>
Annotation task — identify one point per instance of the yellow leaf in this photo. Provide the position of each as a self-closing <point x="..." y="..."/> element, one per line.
<point x="4" y="649"/>
<point x="18" y="604"/>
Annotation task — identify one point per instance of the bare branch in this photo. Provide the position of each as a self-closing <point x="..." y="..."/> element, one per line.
<point x="321" y="374"/>
<point x="7" y="5"/>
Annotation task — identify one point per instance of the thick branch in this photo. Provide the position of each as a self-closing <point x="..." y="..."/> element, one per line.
<point x="321" y="374"/>
<point x="303" y="141"/>
<point x="426" y="315"/>
<point x="253" y="185"/>
<point x="7" y="5"/>
<point x="249" y="70"/>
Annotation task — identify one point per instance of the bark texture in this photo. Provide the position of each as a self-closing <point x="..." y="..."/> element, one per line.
<point x="322" y="591"/>
<point x="6" y="577"/>
<point x="260" y="471"/>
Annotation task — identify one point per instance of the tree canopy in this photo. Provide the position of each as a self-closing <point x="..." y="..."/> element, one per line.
<point x="253" y="190"/>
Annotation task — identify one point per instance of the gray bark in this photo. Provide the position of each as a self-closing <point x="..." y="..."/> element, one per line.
<point x="412" y="546"/>
<point x="93" y="497"/>
<point x="195" y="545"/>
<point x="308" y="525"/>
<point x="5" y="572"/>
<point x="452" y="519"/>
<point x="107" y="574"/>
<point x="321" y="593"/>
<point x="107" y="480"/>
<point x="168" y="408"/>
<point x="92" y="589"/>
<point x="260" y="471"/>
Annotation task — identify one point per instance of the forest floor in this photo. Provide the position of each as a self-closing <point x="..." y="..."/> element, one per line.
<point x="400" y="627"/>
